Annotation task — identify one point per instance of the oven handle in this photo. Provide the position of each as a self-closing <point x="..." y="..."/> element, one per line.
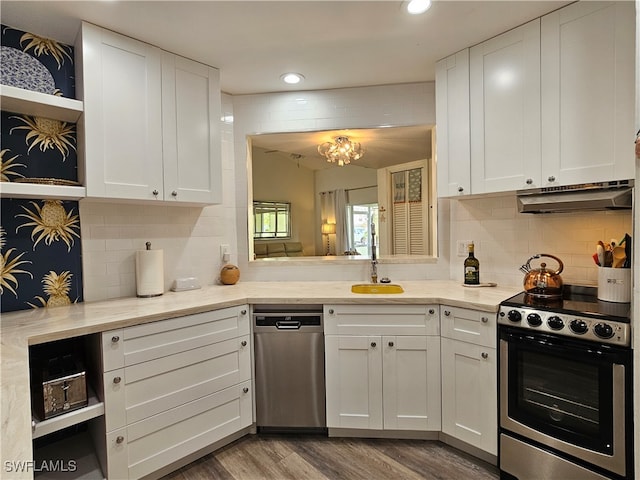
<point x="615" y="463"/>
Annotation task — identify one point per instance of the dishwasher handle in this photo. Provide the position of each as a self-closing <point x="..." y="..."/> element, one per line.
<point x="288" y="324"/>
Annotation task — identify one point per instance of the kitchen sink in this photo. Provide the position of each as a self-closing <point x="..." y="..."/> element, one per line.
<point x="376" y="288"/>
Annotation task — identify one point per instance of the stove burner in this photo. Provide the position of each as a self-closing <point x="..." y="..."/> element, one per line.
<point x="578" y="313"/>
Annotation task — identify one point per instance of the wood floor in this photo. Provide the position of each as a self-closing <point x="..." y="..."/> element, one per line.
<point x="279" y="457"/>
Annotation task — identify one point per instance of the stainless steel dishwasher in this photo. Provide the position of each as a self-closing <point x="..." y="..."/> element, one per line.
<point x="289" y="361"/>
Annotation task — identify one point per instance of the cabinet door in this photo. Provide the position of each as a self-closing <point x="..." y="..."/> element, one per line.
<point x="122" y="125"/>
<point x="505" y="111"/>
<point x="411" y="382"/>
<point x="191" y="130"/>
<point x="588" y="93"/>
<point x="469" y="394"/>
<point x="452" y="125"/>
<point x="353" y="381"/>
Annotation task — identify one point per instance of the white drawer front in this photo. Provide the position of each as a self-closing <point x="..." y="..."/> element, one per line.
<point x="112" y="350"/>
<point x="114" y="405"/>
<point x="167" y="382"/>
<point x="158" y="339"/>
<point x="165" y="438"/>
<point x="381" y="320"/>
<point x="470" y="326"/>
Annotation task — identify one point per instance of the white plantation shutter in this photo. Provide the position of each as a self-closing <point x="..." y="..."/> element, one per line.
<point x="409" y="216"/>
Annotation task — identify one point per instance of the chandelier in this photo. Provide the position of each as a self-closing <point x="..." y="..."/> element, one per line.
<point x="342" y="151"/>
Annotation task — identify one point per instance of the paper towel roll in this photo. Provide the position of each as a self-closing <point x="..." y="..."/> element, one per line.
<point x="149" y="273"/>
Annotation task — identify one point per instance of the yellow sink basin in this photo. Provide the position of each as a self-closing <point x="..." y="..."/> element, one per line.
<point x="376" y="288"/>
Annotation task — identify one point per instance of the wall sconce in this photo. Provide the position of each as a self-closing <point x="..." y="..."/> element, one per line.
<point x="328" y="229"/>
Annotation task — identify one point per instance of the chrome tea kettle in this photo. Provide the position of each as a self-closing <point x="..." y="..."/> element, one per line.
<point x="541" y="282"/>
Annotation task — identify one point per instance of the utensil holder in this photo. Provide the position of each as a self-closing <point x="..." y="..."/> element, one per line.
<point x="614" y="284"/>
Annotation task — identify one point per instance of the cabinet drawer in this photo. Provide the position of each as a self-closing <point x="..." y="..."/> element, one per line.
<point x="381" y="320"/>
<point x="168" y="382"/>
<point x="165" y="438"/>
<point x="112" y="350"/>
<point x="158" y="339"/>
<point x="467" y="325"/>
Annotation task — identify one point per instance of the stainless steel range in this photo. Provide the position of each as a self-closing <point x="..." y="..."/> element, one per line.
<point x="565" y="393"/>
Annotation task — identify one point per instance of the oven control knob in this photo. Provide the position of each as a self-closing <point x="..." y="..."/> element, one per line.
<point x="603" y="330"/>
<point x="555" y="323"/>
<point x="514" y="316"/>
<point x="578" y="326"/>
<point x="534" y="320"/>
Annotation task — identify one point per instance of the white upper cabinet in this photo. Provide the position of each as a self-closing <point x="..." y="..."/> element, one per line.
<point x="452" y="118"/>
<point x="122" y="123"/>
<point x="505" y="110"/>
<point x="151" y="125"/>
<point x="191" y="107"/>
<point x="588" y="93"/>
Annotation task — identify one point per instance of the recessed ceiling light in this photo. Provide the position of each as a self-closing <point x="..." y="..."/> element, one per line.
<point x="416" y="7"/>
<point x="292" y="78"/>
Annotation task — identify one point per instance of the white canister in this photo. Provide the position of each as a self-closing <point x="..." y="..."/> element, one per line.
<point x="614" y="284"/>
<point x="149" y="272"/>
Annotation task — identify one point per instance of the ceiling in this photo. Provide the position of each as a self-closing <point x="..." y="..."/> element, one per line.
<point x="334" y="44"/>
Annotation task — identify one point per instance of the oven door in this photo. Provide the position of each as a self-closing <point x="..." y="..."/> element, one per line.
<point x="567" y="395"/>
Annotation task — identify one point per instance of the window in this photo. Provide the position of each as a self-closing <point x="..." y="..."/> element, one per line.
<point x="271" y="220"/>
<point x="359" y="219"/>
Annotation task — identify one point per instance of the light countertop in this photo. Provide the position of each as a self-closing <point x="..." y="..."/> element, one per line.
<point x="20" y="329"/>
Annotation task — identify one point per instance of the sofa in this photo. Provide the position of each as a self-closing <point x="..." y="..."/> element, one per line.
<point x="277" y="249"/>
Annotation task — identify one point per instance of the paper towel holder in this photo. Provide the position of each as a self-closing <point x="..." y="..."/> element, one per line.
<point x="149" y="272"/>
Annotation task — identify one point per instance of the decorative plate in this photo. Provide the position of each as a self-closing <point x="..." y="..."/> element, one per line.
<point x="23" y="71"/>
<point x="48" y="181"/>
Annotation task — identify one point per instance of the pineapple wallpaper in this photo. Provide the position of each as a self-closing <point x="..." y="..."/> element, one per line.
<point x="40" y="249"/>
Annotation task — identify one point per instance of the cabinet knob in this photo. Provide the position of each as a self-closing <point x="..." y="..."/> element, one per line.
<point x="373" y="344"/>
<point x="243" y="312"/>
<point x="174" y="193"/>
<point x="115" y="339"/>
<point x="119" y="439"/>
<point x="552" y="178"/>
<point x="431" y="311"/>
<point x="155" y="193"/>
<point x="245" y="390"/>
<point x="484" y="319"/>
<point x="331" y="311"/>
<point x="460" y="189"/>
<point x="529" y="181"/>
<point x="391" y="344"/>
<point x="117" y="380"/>
<point x="243" y="343"/>
<point x="447" y="313"/>
<point x="485" y="355"/>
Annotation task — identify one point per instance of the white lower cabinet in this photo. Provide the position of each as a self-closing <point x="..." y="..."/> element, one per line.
<point x="388" y="379"/>
<point x="469" y="377"/>
<point x="183" y="384"/>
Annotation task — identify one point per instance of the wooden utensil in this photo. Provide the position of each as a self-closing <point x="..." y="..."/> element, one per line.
<point x="619" y="257"/>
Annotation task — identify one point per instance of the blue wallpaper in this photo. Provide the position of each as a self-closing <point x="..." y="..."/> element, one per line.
<point x="40" y="248"/>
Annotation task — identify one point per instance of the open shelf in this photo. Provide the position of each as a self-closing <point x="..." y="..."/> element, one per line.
<point x="73" y="457"/>
<point x="38" y="104"/>
<point x="36" y="190"/>
<point x="94" y="409"/>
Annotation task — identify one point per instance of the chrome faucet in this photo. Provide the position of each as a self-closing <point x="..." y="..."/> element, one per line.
<point x="374" y="261"/>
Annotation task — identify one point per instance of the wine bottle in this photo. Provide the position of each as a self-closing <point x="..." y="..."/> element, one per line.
<point x="471" y="268"/>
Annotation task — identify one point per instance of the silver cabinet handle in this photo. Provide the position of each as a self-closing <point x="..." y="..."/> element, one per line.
<point x="529" y="181"/>
<point x="245" y="390"/>
<point x="431" y="311"/>
<point x="485" y="355"/>
<point x="115" y="339"/>
<point x="447" y="313"/>
<point x="373" y="344"/>
<point x="174" y="194"/>
<point x="117" y="380"/>
<point x="552" y="178"/>
<point x="391" y="344"/>
<point x="331" y="311"/>
<point x="243" y="312"/>
<point x="243" y="343"/>
<point x="155" y="193"/>
<point x="484" y="319"/>
<point x="460" y="189"/>
<point x="119" y="439"/>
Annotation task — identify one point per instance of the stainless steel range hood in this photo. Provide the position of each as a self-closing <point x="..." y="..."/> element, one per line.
<point x="616" y="195"/>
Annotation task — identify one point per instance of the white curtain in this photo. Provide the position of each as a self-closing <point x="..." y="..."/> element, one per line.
<point x="333" y="210"/>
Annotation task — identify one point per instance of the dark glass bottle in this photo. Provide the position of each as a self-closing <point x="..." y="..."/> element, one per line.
<point x="471" y="268"/>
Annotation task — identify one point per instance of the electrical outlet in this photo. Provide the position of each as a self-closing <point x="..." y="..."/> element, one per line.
<point x="224" y="252"/>
<point x="463" y="247"/>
